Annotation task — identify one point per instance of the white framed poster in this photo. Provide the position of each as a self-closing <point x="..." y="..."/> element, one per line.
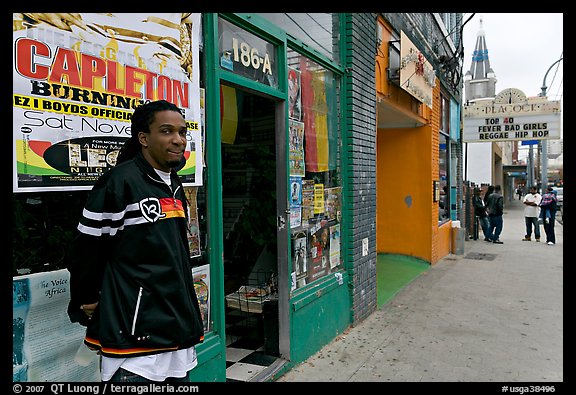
<point x="77" y="78"/>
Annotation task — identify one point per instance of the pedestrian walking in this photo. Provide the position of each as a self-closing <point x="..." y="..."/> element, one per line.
<point x="548" y="207"/>
<point x="532" y="213"/>
<point x="520" y="191"/>
<point x="480" y="212"/>
<point x="495" y="210"/>
<point x="131" y="280"/>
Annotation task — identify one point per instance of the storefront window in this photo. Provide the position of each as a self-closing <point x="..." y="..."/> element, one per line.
<point x="443" y="159"/>
<point x="43" y="225"/>
<point x="444" y="202"/>
<point x="318" y="30"/>
<point x="315" y="181"/>
<point x="73" y="138"/>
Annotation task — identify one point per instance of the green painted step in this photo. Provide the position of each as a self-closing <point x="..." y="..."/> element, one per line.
<point x="394" y="272"/>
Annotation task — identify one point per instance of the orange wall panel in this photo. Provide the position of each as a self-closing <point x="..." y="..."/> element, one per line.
<point x="440" y="234"/>
<point x="407" y="164"/>
<point x="404" y="192"/>
<point x="444" y="241"/>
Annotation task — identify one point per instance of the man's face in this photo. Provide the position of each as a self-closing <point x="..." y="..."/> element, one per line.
<point x="165" y="144"/>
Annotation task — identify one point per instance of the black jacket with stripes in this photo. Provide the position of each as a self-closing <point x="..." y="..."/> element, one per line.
<point x="131" y="255"/>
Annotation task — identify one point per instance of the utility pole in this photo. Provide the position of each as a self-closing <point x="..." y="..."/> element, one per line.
<point x="544" y="157"/>
<point x="531" y="182"/>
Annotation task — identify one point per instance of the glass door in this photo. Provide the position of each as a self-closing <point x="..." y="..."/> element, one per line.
<point x="253" y="162"/>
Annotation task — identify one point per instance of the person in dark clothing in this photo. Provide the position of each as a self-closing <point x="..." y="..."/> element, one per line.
<point x="480" y="212"/>
<point x="520" y="192"/>
<point x="131" y="278"/>
<point x="548" y="208"/>
<point x="495" y="210"/>
<point x="489" y="192"/>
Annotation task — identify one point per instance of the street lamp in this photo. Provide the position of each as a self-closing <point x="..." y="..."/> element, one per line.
<point x="545" y="142"/>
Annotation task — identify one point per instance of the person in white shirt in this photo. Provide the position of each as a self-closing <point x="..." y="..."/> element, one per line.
<point x="531" y="214"/>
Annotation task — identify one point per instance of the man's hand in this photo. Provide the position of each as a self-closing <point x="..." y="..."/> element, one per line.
<point x="89" y="309"/>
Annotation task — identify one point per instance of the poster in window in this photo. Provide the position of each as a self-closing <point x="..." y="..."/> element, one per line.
<point x="318" y="198"/>
<point x="319" y="251"/>
<point x="334" y="246"/>
<point x="203" y="123"/>
<point x="76" y="81"/>
<point x="20" y="306"/>
<point x="296" y="142"/>
<point x="333" y="207"/>
<point x="294" y="104"/>
<point x="295" y="191"/>
<point x="193" y="223"/>
<point x="300" y="255"/>
<point x="201" y="275"/>
<point x="307" y="200"/>
<point x="295" y="217"/>
<point x="45" y="342"/>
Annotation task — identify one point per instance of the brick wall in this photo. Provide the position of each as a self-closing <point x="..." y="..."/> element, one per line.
<point x="360" y="172"/>
<point x="435" y="124"/>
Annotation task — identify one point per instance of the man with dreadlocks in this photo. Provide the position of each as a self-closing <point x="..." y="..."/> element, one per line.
<point x="131" y="281"/>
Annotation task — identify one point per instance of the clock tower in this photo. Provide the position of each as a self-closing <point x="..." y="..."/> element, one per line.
<point x="480" y="80"/>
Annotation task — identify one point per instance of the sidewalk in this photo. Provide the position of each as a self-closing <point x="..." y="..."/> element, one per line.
<point x="492" y="314"/>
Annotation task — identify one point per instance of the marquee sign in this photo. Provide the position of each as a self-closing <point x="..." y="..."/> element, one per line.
<point x="511" y="116"/>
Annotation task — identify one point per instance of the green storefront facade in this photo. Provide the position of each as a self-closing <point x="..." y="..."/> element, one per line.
<point x="283" y="210"/>
<point x="255" y="59"/>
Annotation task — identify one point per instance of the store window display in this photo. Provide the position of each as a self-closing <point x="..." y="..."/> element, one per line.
<point x="314" y="141"/>
<point x="443" y="159"/>
<point x="444" y="202"/>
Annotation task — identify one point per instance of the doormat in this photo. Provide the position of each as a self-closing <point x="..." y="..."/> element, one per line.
<point x="394" y="272"/>
<point x="480" y="256"/>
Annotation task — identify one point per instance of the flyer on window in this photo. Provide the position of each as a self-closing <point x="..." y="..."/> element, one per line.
<point x="77" y="78"/>
<point x="45" y="342"/>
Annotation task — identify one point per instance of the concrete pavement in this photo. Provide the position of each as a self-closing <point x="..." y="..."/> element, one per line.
<point x="493" y="314"/>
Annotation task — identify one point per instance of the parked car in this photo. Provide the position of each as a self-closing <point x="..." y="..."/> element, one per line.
<point x="559" y="195"/>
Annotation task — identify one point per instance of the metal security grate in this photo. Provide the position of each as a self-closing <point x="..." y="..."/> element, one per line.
<point x="480" y="256"/>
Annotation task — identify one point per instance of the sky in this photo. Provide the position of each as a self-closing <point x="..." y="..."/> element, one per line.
<point x="521" y="49"/>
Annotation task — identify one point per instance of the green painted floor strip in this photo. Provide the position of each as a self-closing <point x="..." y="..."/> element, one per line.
<point x="394" y="272"/>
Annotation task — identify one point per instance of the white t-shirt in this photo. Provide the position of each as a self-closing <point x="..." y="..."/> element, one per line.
<point x="155" y="367"/>
<point x="165" y="177"/>
<point x="532" y="211"/>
